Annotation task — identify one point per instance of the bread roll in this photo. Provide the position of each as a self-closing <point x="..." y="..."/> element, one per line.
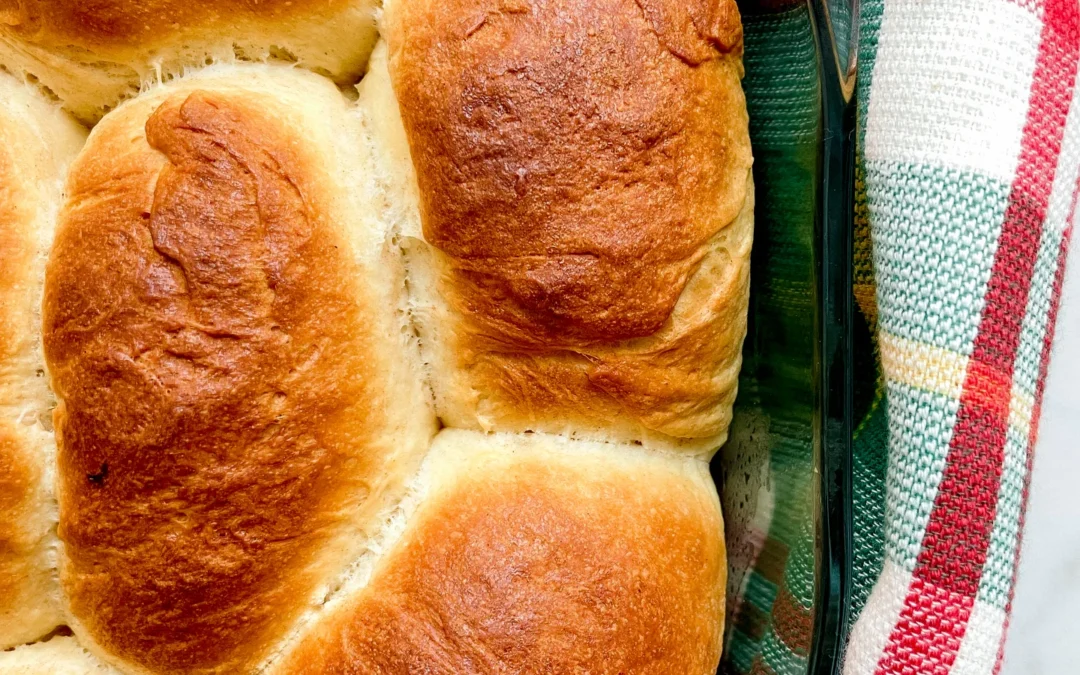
<point x="580" y="249"/>
<point x="423" y="380"/>
<point x="535" y="554"/>
<point x="92" y="55"/>
<point x="237" y="400"/>
<point x="37" y="142"/>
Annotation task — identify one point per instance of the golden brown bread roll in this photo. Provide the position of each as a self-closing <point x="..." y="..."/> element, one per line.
<point x="37" y="141"/>
<point x="92" y="55"/>
<point x="537" y="554"/>
<point x="236" y="398"/>
<point x="584" y="190"/>
<point x="264" y="297"/>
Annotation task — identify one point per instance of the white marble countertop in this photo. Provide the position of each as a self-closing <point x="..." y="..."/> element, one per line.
<point x="1045" y="633"/>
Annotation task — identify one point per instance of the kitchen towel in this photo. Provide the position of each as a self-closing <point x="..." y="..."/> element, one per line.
<point x="967" y="169"/>
<point x="968" y="156"/>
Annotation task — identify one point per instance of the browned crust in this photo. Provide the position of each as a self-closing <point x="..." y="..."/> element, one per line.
<point x="680" y="382"/>
<point x="206" y="338"/>
<point x="573" y="156"/>
<point x="205" y="333"/>
<point x="121" y="23"/>
<point x="544" y="568"/>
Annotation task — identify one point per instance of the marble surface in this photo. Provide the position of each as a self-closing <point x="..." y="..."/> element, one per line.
<point x="1045" y="633"/>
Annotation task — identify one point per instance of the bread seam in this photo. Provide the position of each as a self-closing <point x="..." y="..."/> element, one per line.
<point x="396" y="516"/>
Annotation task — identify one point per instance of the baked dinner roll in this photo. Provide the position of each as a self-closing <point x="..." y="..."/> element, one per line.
<point x="418" y="378"/>
<point x="94" y="54"/>
<point x="582" y="219"/>
<point x="37" y="142"/>
<point x="224" y="329"/>
<point x="537" y="554"/>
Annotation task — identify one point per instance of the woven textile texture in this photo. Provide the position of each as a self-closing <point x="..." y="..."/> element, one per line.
<point x="771" y="614"/>
<point x="968" y="162"/>
<point x="967" y="170"/>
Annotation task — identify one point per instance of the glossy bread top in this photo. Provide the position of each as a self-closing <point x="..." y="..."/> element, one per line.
<point x="573" y="156"/>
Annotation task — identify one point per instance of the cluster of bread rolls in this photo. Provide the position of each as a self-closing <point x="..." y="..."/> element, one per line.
<point x="346" y="338"/>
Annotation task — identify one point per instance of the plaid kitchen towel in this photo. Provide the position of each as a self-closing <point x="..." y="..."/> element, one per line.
<point x="968" y="162"/>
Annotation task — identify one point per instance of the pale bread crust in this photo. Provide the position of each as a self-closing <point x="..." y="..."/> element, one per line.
<point x="37" y="142"/>
<point x="94" y="55"/>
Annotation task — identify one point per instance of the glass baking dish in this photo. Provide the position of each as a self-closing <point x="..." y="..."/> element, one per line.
<point x="784" y="474"/>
